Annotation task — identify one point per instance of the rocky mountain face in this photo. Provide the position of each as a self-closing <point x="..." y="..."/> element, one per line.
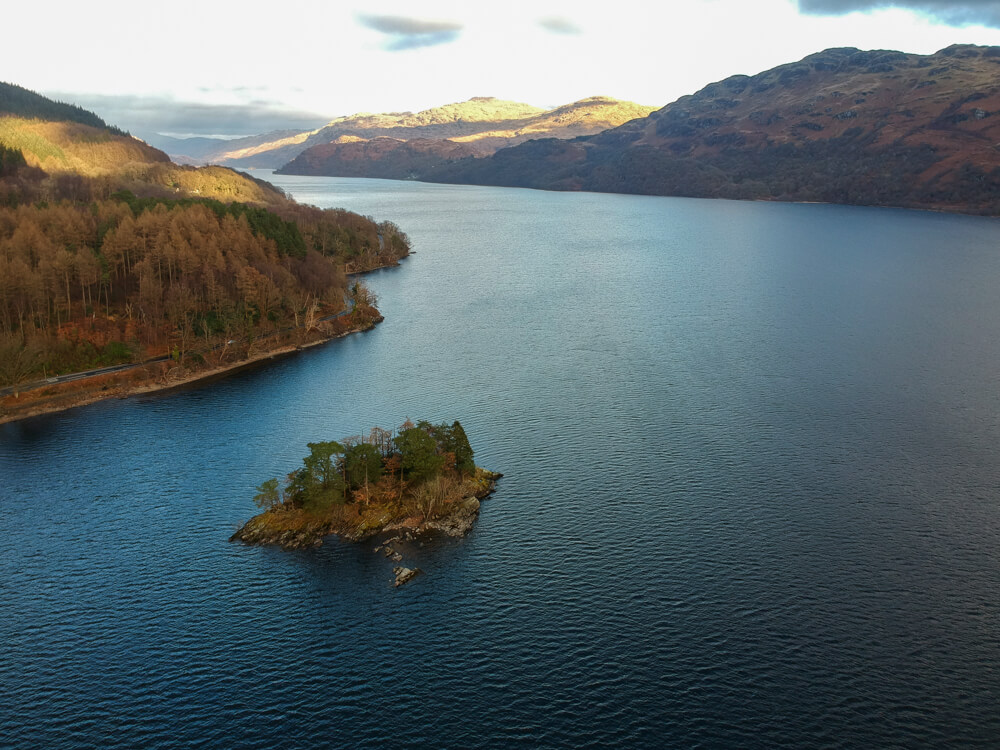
<point x="843" y="125"/>
<point x="418" y="150"/>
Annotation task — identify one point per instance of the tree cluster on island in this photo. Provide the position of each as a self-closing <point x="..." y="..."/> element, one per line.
<point x="361" y="485"/>
<point x="381" y="467"/>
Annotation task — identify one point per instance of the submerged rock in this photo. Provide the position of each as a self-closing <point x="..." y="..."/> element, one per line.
<point x="405" y="574"/>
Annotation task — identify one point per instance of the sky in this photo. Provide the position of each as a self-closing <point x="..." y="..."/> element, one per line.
<point x="227" y="68"/>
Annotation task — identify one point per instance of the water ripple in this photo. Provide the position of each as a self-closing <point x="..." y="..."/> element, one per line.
<point x="746" y="502"/>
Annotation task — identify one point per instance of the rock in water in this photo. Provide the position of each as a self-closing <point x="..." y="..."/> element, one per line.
<point x="405" y="574"/>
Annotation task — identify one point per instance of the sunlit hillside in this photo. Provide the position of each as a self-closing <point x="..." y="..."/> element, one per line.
<point x="484" y="124"/>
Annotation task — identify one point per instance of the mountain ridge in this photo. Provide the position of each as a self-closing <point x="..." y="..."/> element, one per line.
<point x="431" y="146"/>
<point x="485" y="123"/>
<point x="875" y="127"/>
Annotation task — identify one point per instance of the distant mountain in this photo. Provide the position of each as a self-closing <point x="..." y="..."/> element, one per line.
<point x="842" y="126"/>
<point x="184" y="150"/>
<point x="464" y="118"/>
<point x="584" y="117"/>
<point x="436" y="137"/>
<point x="383" y="157"/>
<point x="202" y="150"/>
<point x="484" y="123"/>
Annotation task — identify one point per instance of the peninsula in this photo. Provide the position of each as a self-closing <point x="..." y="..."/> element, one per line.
<point x="413" y="481"/>
<point x="122" y="272"/>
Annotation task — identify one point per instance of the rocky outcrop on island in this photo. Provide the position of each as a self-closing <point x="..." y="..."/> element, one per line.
<point x="874" y="127"/>
<point x="404" y="575"/>
<point x="295" y="531"/>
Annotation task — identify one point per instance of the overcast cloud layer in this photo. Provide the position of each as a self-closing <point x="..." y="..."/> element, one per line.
<point x="958" y="12"/>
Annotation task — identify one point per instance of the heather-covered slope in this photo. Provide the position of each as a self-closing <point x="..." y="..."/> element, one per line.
<point x="843" y="125"/>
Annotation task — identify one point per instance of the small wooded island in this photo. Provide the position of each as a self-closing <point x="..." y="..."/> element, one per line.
<point x="415" y="480"/>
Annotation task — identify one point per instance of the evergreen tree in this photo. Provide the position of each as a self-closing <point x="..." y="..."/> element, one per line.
<point x="418" y="453"/>
<point x="362" y="465"/>
<point x="460" y="446"/>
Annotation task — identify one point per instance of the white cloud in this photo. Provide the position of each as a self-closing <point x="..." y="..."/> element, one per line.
<point x="315" y="55"/>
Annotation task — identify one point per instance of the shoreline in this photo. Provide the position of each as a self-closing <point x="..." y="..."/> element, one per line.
<point x="71" y="395"/>
<point x="292" y="529"/>
<point x="76" y="397"/>
<point x="394" y="526"/>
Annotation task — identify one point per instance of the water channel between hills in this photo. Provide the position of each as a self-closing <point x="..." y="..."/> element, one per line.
<point x="751" y="498"/>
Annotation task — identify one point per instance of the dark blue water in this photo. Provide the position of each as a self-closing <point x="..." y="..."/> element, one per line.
<point x="752" y="498"/>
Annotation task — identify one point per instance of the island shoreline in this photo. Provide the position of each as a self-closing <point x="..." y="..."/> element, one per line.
<point x="456" y="519"/>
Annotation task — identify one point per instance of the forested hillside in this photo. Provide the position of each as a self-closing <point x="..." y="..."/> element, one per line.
<point x="122" y="279"/>
<point x="121" y="265"/>
<point x="21" y="102"/>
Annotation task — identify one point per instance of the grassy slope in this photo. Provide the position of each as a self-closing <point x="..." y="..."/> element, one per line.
<point x="62" y="139"/>
<point x="74" y="148"/>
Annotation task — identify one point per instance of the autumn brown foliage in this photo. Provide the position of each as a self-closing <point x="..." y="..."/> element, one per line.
<point x="115" y="280"/>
